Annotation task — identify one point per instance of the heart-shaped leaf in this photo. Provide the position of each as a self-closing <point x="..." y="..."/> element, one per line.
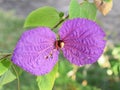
<point x="83" y="10"/>
<point x="45" y="16"/>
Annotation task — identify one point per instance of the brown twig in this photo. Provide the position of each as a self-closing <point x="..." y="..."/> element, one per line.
<point x="60" y="22"/>
<point x="5" y="56"/>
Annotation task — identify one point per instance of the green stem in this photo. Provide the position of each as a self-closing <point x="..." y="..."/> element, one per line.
<point x="60" y="22"/>
<point x="18" y="80"/>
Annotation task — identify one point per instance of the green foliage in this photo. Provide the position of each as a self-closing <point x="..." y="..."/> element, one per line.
<point x="45" y="16"/>
<point x="46" y="82"/>
<point x="27" y="82"/>
<point x="116" y="52"/>
<point x="4" y="78"/>
<point x="4" y="65"/>
<point x="64" y="68"/>
<point x="107" y="0"/>
<point x="115" y="60"/>
<point x="64" y="82"/>
<point x="10" y="75"/>
<point x="83" y="10"/>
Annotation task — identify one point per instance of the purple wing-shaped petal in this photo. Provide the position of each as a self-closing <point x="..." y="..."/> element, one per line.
<point x="83" y="41"/>
<point x="35" y="51"/>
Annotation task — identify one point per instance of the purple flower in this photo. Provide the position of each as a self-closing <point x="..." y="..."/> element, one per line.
<point x="81" y="41"/>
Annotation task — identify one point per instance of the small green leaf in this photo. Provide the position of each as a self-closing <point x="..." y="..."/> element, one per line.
<point x="4" y="65"/>
<point x="46" y="82"/>
<point x="9" y="75"/>
<point x="61" y="14"/>
<point x="84" y="10"/>
<point x="45" y="16"/>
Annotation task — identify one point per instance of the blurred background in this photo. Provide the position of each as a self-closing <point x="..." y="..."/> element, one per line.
<point x="103" y="75"/>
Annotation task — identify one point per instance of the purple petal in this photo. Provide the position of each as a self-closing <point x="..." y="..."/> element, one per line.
<point x="35" y="51"/>
<point x="83" y="41"/>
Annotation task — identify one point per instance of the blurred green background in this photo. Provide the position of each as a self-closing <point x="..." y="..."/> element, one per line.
<point x="102" y="75"/>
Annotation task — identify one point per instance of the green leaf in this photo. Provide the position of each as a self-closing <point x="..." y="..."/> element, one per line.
<point x="107" y="0"/>
<point x="9" y="75"/>
<point x="46" y="82"/>
<point x="4" y="65"/>
<point x="45" y="16"/>
<point x="63" y="78"/>
<point x="84" y="10"/>
<point x="61" y="14"/>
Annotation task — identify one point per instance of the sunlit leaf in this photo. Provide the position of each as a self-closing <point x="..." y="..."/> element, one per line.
<point x="45" y="16"/>
<point x="9" y="75"/>
<point x="104" y="6"/>
<point x="107" y="0"/>
<point x="115" y="69"/>
<point x="46" y="82"/>
<point x="116" y="51"/>
<point x="115" y="66"/>
<point x="83" y="10"/>
<point x="4" y="65"/>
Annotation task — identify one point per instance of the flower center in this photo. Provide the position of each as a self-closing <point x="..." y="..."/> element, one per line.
<point x="59" y="44"/>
